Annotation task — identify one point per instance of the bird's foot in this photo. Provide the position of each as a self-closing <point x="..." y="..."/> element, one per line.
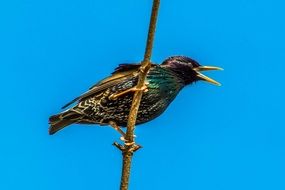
<point x="123" y="137"/>
<point x="133" y="89"/>
<point x="126" y="142"/>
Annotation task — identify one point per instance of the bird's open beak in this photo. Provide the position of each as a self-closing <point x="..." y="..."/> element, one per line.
<point x="205" y="78"/>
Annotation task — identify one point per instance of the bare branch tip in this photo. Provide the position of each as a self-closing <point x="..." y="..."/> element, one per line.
<point x="119" y="146"/>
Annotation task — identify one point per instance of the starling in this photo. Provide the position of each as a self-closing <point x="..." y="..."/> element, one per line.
<point x="109" y="100"/>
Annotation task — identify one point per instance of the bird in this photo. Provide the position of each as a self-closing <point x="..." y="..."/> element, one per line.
<point x="108" y="102"/>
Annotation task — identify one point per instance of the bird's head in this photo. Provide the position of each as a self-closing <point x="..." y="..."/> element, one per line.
<point x="189" y="70"/>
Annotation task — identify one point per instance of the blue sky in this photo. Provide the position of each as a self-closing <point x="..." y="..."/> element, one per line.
<point x="218" y="138"/>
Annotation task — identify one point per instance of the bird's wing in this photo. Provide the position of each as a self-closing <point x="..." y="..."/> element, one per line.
<point x="122" y="72"/>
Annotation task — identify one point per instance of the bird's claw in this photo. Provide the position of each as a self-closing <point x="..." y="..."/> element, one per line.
<point x="123" y="138"/>
<point x="129" y="143"/>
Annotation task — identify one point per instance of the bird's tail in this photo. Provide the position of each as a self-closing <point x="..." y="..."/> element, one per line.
<point x="59" y="121"/>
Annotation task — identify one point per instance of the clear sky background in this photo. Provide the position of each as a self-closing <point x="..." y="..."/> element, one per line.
<point x="219" y="138"/>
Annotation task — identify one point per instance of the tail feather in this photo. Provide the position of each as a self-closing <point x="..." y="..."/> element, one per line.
<point x="59" y="121"/>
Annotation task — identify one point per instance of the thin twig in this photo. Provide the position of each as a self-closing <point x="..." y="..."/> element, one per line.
<point x="130" y="147"/>
<point x="151" y="30"/>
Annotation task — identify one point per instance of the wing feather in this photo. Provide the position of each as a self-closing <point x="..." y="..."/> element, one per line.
<point x="123" y="72"/>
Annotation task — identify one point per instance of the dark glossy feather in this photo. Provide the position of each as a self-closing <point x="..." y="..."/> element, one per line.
<point x="94" y="106"/>
<point x="121" y="73"/>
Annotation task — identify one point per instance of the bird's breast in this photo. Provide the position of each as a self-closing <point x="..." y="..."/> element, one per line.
<point x="162" y="89"/>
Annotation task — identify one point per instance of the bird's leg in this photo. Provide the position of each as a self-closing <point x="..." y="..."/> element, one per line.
<point x="117" y="128"/>
<point x="133" y="89"/>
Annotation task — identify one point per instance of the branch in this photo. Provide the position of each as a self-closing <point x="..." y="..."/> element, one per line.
<point x="130" y="147"/>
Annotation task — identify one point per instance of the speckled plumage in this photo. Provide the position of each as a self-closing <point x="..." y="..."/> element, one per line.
<point x="163" y="83"/>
